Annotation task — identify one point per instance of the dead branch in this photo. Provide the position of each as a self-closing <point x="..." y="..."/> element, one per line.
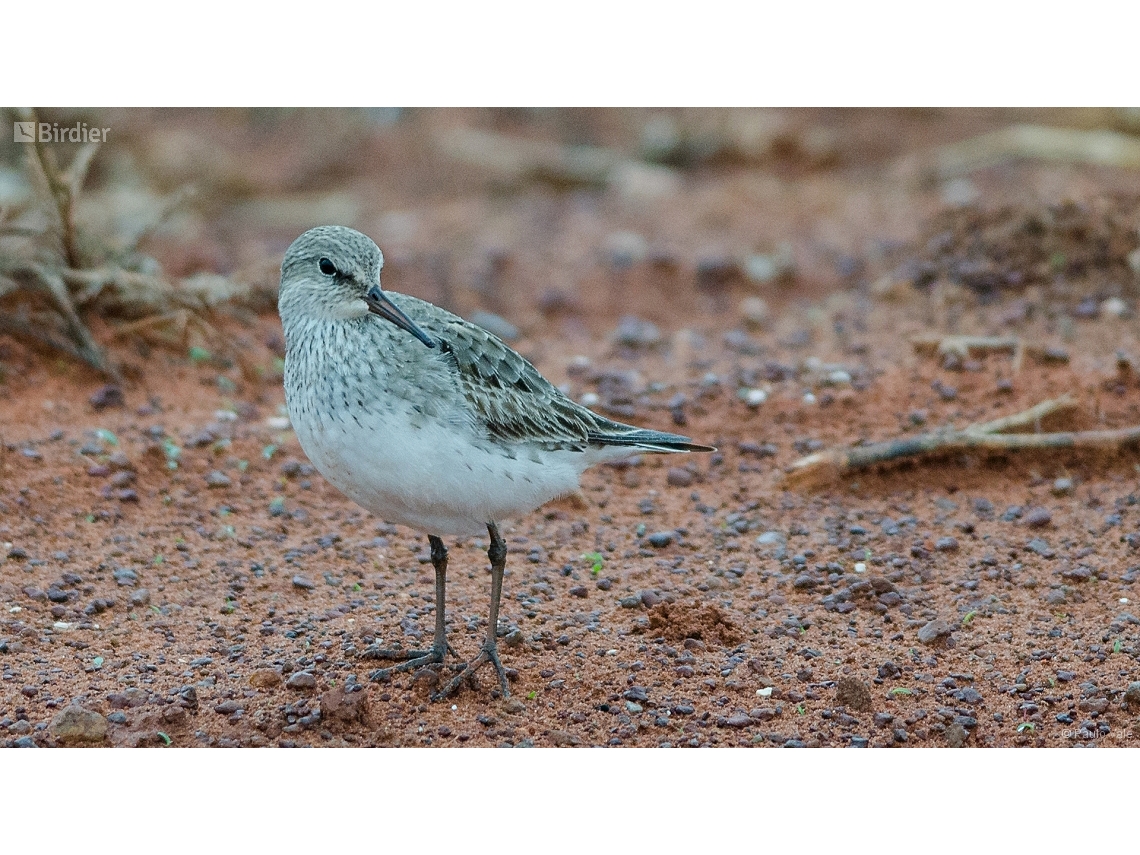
<point x="1036" y="142"/>
<point x="832" y="463"/>
<point x="62" y="187"/>
<point x="964" y="345"/>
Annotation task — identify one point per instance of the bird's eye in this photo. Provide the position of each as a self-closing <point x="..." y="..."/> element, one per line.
<point x="327" y="267"/>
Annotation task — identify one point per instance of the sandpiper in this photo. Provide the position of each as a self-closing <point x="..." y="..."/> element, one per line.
<point x="427" y="420"/>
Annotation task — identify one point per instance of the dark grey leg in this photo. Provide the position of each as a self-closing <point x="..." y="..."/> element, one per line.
<point x="418" y="658"/>
<point x="497" y="553"/>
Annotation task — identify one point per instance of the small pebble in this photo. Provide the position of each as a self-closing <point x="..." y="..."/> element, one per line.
<point x="934" y="632"/>
<point x="302" y="680"/>
<point x="218" y="479"/>
<point x="946" y="544"/>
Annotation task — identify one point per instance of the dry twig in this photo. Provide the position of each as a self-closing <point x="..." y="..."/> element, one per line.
<point x="1037" y="142"/>
<point x="832" y="463"/>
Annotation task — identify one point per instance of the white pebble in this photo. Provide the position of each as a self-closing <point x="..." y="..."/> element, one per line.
<point x="277" y="423"/>
<point x="15" y="609"/>
<point x="61" y="624"/>
<point x="225" y="415"/>
<point x="1124" y="601"/>
<point x="860" y="567"/>
<point x="1115" y="307"/>
<point x="589" y="399"/>
<point x="761" y="268"/>
<point x="764" y="693"/>
<point x="839" y="377"/>
<point x="809" y="398"/>
<point x="755" y="397"/>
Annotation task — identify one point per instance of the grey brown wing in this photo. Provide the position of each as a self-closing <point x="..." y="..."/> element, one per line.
<point x="514" y="403"/>
<point x="511" y="400"/>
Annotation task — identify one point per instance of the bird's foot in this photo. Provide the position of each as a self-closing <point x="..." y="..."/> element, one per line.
<point x="489" y="653"/>
<point x="412" y="659"/>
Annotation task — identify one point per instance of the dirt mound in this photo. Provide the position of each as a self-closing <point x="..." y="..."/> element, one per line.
<point x="702" y="621"/>
<point x="1011" y="247"/>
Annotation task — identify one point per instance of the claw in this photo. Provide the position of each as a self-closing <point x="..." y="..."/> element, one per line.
<point x="413" y="659"/>
<point x="489" y="653"/>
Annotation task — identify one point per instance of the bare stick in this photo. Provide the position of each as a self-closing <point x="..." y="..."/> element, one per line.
<point x="61" y="194"/>
<point x="88" y="349"/>
<point x="1032" y="416"/>
<point x="832" y="463"/>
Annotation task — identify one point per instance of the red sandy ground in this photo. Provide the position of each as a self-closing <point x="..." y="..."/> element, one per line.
<point x="712" y="639"/>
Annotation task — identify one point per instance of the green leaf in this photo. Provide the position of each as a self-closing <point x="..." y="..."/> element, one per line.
<point x="199" y="355"/>
<point x="166" y="740"/>
<point x="596" y="559"/>
<point x="900" y="690"/>
<point x="97" y="661"/>
<point x="107" y="436"/>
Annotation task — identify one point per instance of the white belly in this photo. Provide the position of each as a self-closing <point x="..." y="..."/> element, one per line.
<point x="434" y="478"/>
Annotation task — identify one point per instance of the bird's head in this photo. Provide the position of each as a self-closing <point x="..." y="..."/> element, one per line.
<point x="333" y="272"/>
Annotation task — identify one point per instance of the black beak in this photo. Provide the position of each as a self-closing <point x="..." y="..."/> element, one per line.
<point x="379" y="304"/>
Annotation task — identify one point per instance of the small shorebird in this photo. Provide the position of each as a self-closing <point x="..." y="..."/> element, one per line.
<point x="427" y="420"/>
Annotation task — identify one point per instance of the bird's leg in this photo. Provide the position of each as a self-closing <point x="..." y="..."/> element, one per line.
<point x="416" y="658"/>
<point x="497" y="553"/>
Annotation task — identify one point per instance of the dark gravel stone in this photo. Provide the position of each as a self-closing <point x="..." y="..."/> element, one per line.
<point x="302" y="680"/>
<point x="107" y="396"/>
<point x="935" y="632"/>
<point x="1038" y="517"/>
<point x="679" y="477"/>
<point x="946" y="544"/>
<point x="969" y="695"/>
<point x="661" y="539"/>
<point x="637" y="333"/>
<point x="303" y="582"/>
<point x="579" y="591"/>
<point x="1132" y="694"/>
